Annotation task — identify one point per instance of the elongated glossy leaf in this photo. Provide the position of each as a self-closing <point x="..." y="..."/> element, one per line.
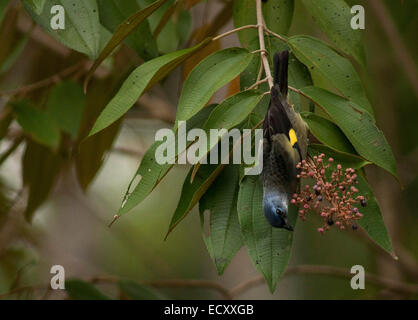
<point x="277" y="15"/>
<point x="114" y="12"/>
<point x="124" y="29"/>
<point x="233" y="110"/>
<point x="337" y="70"/>
<point x="207" y="77"/>
<point x="192" y="192"/>
<point x="327" y="132"/>
<point x="150" y="172"/>
<point x="165" y="27"/>
<point x="81" y="290"/>
<point x="40" y="170"/>
<point x="92" y="152"/>
<point x="65" y="105"/>
<point x="333" y="18"/>
<point x="269" y="247"/>
<point x="227" y="115"/>
<point x="245" y="14"/>
<point x="220" y="203"/>
<point x="82" y="27"/>
<point x="347" y="160"/>
<point x="142" y="78"/>
<point x="37" y="123"/>
<point x="358" y="126"/>
<point x="136" y="291"/>
<point x="372" y="220"/>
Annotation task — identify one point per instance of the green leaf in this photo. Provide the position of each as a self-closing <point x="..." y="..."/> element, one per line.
<point x="245" y="14"/>
<point x="113" y="13"/>
<point x="220" y="202"/>
<point x="207" y="77"/>
<point x="269" y="248"/>
<point x="168" y="38"/>
<point x="141" y="79"/>
<point x="228" y="114"/>
<point x="337" y="70"/>
<point x="277" y="15"/>
<point x="92" y="152"/>
<point x="333" y="18"/>
<point x="65" y="105"/>
<point x="81" y="290"/>
<point x="136" y="291"/>
<point x="150" y="172"/>
<point x="40" y="167"/>
<point x="192" y="192"/>
<point x="327" y="132"/>
<point x="36" y="5"/>
<point x="233" y="110"/>
<point x="82" y="27"/>
<point x="347" y="160"/>
<point x="37" y="123"/>
<point x="14" y="54"/>
<point x="124" y="29"/>
<point x="358" y="126"/>
<point x="372" y="220"/>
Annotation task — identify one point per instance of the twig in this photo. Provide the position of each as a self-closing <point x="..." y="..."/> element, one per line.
<point x="190" y="283"/>
<point x="173" y="283"/>
<point x="373" y="279"/>
<point x="261" y="26"/>
<point x="16" y="143"/>
<point x="234" y="30"/>
<point x="45" y="82"/>
<point x="257" y="83"/>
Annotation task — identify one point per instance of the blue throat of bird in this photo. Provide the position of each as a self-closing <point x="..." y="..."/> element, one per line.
<point x="275" y="207"/>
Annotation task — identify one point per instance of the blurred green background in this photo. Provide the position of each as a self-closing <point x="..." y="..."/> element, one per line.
<point x="70" y="229"/>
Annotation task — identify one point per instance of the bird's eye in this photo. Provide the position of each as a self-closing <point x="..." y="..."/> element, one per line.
<point x="280" y="212"/>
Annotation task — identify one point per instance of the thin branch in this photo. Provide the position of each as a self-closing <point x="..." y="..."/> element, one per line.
<point x="257" y="83"/>
<point x="263" y="56"/>
<point x="190" y="283"/>
<point x="173" y="283"/>
<point x="373" y="279"/>
<point x="234" y="30"/>
<point x="46" y="82"/>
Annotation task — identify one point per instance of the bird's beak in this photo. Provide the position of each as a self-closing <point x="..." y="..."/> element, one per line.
<point x="288" y="227"/>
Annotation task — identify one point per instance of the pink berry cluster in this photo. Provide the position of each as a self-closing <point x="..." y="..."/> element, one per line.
<point x="336" y="201"/>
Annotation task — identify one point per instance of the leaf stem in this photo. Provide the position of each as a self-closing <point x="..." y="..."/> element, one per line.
<point x="275" y="34"/>
<point x="249" y="26"/>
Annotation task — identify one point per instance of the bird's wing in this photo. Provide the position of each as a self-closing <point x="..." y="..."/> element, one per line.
<point x="285" y="154"/>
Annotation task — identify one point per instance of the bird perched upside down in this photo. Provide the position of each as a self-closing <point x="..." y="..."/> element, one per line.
<point x="284" y="146"/>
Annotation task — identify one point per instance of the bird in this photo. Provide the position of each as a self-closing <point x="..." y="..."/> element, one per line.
<point x="285" y="140"/>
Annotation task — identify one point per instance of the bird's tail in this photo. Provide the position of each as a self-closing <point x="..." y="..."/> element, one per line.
<point x="281" y="61"/>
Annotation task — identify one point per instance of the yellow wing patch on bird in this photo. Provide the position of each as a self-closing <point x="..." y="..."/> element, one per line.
<point x="292" y="137"/>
